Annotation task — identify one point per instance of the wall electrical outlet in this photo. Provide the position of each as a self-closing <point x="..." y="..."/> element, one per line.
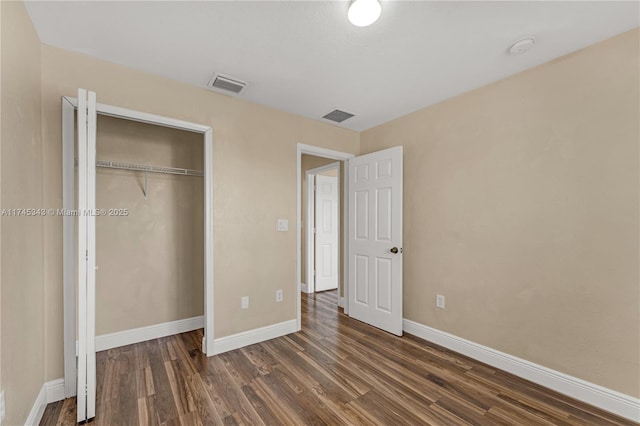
<point x="2" y="408"/>
<point x="282" y="225"/>
<point x="440" y="301"/>
<point x="244" y="302"/>
<point x="279" y="296"/>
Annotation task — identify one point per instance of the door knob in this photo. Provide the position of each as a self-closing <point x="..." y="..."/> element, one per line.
<point x="394" y="250"/>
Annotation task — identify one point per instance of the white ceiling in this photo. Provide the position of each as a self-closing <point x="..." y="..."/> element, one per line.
<point x="306" y="58"/>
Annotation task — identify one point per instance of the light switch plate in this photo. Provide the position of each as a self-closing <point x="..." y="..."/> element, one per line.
<point x="283" y="225"/>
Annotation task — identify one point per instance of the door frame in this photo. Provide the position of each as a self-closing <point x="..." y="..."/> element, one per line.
<point x="310" y="202"/>
<point x="69" y="105"/>
<point x="333" y="155"/>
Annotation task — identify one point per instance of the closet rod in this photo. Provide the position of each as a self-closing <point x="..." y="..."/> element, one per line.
<point x="148" y="168"/>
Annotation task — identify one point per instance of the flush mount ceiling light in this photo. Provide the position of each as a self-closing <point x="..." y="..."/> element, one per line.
<point x="363" y="13"/>
<point x="522" y="46"/>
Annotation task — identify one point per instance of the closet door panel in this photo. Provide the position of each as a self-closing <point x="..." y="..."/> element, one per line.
<point x="86" y="388"/>
<point x="91" y="257"/>
<point x="82" y="256"/>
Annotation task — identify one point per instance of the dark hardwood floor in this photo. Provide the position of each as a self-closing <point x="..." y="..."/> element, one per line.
<point x="336" y="371"/>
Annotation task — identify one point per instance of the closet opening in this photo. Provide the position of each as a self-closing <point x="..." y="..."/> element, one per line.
<point x="153" y="232"/>
<point x="150" y="243"/>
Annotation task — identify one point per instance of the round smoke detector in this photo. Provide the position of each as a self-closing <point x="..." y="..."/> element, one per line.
<point x="522" y="46"/>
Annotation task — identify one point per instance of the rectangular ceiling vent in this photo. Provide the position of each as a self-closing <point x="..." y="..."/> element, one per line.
<point x="338" y="116"/>
<point x="227" y="85"/>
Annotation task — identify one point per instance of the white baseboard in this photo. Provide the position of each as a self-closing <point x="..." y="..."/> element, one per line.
<point x="49" y="392"/>
<point x="246" y="338"/>
<point x="142" y="334"/>
<point x="55" y="390"/>
<point x="341" y="302"/>
<point x="304" y="288"/>
<point x="599" y="396"/>
<point x="37" y="410"/>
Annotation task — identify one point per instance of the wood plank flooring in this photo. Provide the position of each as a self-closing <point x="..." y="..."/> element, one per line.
<point x="336" y="371"/>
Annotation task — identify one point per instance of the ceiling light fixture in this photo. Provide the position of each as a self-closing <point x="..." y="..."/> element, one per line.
<point x="522" y="46"/>
<point x="363" y="13"/>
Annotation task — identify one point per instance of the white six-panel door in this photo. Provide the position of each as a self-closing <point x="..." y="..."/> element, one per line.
<point x="375" y="239"/>
<point x="326" y="226"/>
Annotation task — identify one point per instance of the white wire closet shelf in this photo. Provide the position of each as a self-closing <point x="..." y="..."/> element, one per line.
<point x="148" y="168"/>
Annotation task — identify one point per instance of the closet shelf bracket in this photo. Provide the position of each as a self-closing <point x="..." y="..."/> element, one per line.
<point x="144" y="191"/>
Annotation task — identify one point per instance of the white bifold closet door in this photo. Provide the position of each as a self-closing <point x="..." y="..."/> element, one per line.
<point x="86" y="391"/>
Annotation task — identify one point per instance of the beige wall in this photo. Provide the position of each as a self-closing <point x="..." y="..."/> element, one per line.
<point x="21" y="187"/>
<point x="254" y="185"/>
<point x="151" y="261"/>
<point x="521" y="207"/>
<point x="330" y="173"/>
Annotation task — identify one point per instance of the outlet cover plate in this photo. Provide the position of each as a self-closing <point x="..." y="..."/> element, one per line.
<point x="283" y="225"/>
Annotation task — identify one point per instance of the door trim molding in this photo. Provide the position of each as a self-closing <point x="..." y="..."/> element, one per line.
<point x="310" y="203"/>
<point x="599" y="396"/>
<point x="334" y="155"/>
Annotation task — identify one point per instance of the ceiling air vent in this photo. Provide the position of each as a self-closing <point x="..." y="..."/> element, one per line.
<point x="226" y="84"/>
<point x="338" y="116"/>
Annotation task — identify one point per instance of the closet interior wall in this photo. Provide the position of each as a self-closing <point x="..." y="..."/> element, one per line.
<point x="150" y="259"/>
